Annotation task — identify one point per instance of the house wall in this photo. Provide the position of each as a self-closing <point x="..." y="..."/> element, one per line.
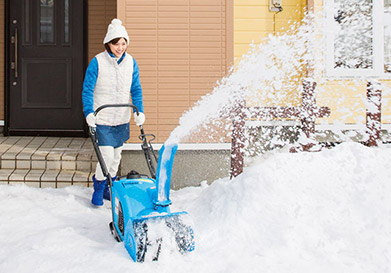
<point x="182" y="47"/>
<point x="100" y="14"/>
<point x="346" y="99"/>
<point x="191" y="167"/>
<point x="253" y="21"/>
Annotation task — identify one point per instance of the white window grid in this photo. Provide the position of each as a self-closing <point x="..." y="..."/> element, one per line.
<point x="381" y="19"/>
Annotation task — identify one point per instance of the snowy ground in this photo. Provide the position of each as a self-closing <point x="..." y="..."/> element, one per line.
<point x="306" y="212"/>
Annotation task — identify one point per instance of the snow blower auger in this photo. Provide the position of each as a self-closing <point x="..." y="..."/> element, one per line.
<point x="140" y="205"/>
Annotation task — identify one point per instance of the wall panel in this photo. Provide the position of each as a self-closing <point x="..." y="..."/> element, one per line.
<point x="100" y="14"/>
<point x="182" y="48"/>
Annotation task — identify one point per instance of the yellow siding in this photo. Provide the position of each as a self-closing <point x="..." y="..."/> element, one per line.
<point x="346" y="99"/>
<point x="253" y="21"/>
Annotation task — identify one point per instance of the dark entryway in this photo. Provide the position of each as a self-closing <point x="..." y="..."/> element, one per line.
<point x="45" y="63"/>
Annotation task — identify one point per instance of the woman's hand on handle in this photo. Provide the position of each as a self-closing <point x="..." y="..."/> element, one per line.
<point x="91" y="120"/>
<point x="139" y="119"/>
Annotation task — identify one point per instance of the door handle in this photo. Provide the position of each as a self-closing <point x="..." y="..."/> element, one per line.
<point x="14" y="64"/>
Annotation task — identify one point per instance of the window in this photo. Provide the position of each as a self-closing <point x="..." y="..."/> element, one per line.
<point x="358" y="37"/>
<point x="47" y="22"/>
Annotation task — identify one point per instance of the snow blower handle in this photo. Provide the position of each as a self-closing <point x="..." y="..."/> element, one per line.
<point x="95" y="140"/>
<point x="116" y="105"/>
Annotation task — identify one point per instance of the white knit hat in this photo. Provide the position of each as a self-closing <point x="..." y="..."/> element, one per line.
<point x="116" y="30"/>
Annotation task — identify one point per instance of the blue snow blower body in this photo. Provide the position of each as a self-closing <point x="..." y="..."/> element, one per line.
<point x="141" y="204"/>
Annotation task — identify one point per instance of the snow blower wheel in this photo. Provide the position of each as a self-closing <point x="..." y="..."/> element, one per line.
<point x="114" y="232"/>
<point x="121" y="225"/>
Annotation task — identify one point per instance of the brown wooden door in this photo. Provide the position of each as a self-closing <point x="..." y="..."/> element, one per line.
<point x="45" y="67"/>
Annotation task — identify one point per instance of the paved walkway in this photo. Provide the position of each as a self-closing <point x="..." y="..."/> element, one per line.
<point x="46" y="161"/>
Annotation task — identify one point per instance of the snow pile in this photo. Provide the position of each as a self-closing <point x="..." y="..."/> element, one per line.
<point x="304" y="212"/>
<point x="318" y="212"/>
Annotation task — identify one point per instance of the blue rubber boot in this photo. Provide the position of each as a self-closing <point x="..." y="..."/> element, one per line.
<point x="106" y="192"/>
<point x="97" y="196"/>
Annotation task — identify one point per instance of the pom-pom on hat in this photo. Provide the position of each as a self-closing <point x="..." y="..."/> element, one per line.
<point x="116" y="30"/>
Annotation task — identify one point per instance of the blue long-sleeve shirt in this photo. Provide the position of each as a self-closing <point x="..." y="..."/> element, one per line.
<point x="90" y="81"/>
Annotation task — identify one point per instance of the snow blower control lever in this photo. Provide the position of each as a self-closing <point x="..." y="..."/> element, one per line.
<point x="149" y="153"/>
<point x="140" y="204"/>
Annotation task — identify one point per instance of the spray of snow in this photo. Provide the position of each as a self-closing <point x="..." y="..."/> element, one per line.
<point x="270" y="74"/>
<point x="274" y="65"/>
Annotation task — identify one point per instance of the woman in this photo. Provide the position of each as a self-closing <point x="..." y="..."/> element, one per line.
<point x="112" y="77"/>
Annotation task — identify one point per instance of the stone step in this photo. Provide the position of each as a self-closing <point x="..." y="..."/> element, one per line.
<point x="46" y="178"/>
<point x="47" y="153"/>
<point x="46" y="161"/>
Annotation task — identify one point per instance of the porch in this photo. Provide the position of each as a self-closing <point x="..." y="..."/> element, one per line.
<point x="46" y="161"/>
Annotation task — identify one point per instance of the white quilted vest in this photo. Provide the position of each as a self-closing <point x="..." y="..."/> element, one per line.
<point x="113" y="87"/>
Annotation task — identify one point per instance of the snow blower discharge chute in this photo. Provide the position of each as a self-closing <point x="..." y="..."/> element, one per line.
<point x="140" y="205"/>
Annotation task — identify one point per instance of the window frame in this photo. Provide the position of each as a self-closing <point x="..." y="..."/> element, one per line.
<point x="377" y="70"/>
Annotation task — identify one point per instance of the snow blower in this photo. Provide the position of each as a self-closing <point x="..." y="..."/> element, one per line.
<point x="140" y="205"/>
